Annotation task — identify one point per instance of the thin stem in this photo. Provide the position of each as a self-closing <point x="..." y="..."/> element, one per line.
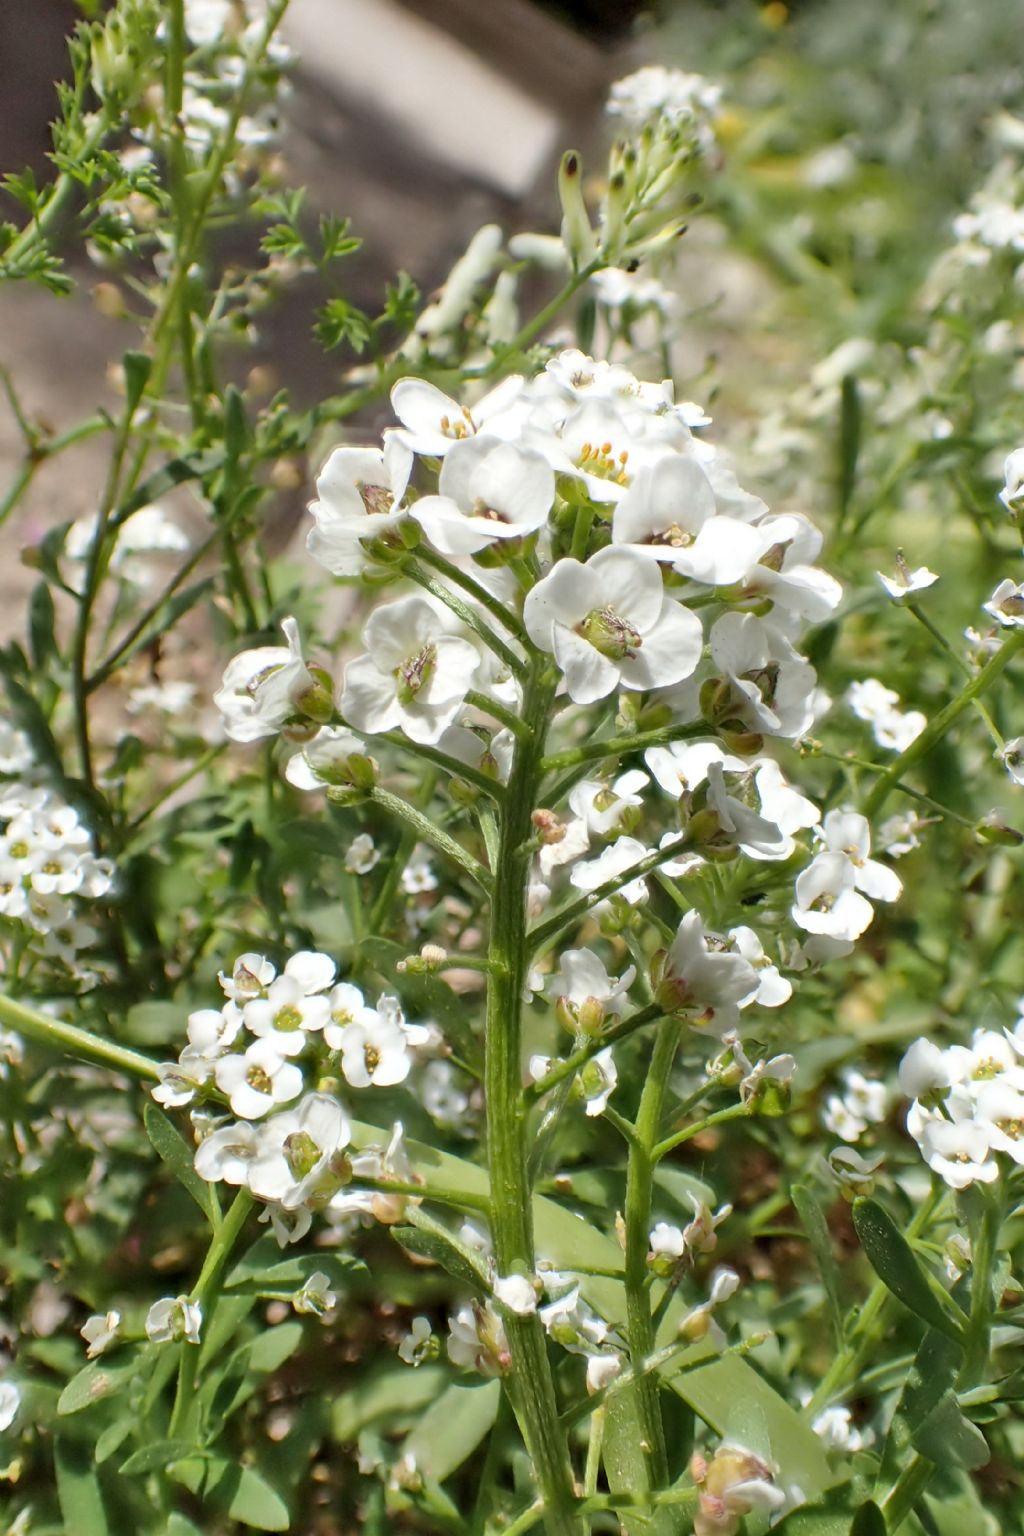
<point x="906" y="1491"/>
<point x="205" y="1293"/>
<point x="530" y="1381"/>
<point x="427" y="832"/>
<point x="543" y="317"/>
<point x="979" y="1327"/>
<point x="933" y="733"/>
<point x="734" y="1112"/>
<point x="579" y="1058"/>
<point x="75" y="1041"/>
<point x="616" y="746"/>
<point x="639" y="1194"/>
<point x="958" y="661"/>
<point x="540" y="936"/>
<point x="505" y="717"/>
<point x="128" y="641"/>
<point x="469" y="616"/>
<point x="494" y="605"/>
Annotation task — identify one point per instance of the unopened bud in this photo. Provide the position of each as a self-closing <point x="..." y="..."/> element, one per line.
<point x="576" y="231"/>
<point x="992" y="829"/>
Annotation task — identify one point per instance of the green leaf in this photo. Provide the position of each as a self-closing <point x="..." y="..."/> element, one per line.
<point x="385" y="1394"/>
<point x="113" y="1437"/>
<point x="78" y="1490"/>
<point x="137" y="368"/>
<point x="933" y="1373"/>
<point x="452" y="1428"/>
<point x="42" y="619"/>
<point x="172" y="1148"/>
<point x="175" y="472"/>
<point x="428" y="1245"/>
<point x="849" y="440"/>
<point x="340" y="321"/>
<point x="160" y="1454"/>
<point x="814" y="1224"/>
<point x="270" y="1351"/>
<point x="945" y="1436"/>
<point x="239" y="1492"/>
<point x="830" y="1516"/>
<point x="96" y="1382"/>
<point x="895" y="1264"/>
<point x="263" y="1269"/>
<point x="868" y="1521"/>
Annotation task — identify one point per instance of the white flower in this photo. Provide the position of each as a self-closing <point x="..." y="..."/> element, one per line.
<point x="836" y="1428"/>
<point x="849" y="834"/>
<point x="772" y="989"/>
<point x="609" y="865"/>
<point x="476" y="1340"/>
<point x="1012" y="493"/>
<point x="225" y="1155"/>
<point x="863" y="1102"/>
<point x="772" y="684"/>
<point x="1011" y="755"/>
<point x="666" y="1240"/>
<point x="291" y="1009"/>
<point x="1007" y="604"/>
<point x="907" y="582"/>
<point x="415" y="676"/>
<point x="598" y="1080"/>
<point x="517" y="1293"/>
<point x="265" y="687"/>
<point x="374" y="1051"/>
<point x="324" y="760"/>
<point x="602" y="1370"/>
<point x="923" y="1070"/>
<point x="361" y="855"/>
<point x="666" y="509"/>
<point x="610" y="624"/>
<point x="419" y="1343"/>
<point x="827" y="902"/>
<point x="702" y="979"/>
<point x="601" y="806"/>
<point x="315" y="1296"/>
<point x="892" y="727"/>
<point x="99" y="1332"/>
<point x="584" y="984"/>
<point x="297" y="1152"/>
<point x="257" y="1080"/>
<point x="359" y="497"/>
<point x="957" y="1149"/>
<point x="174" y="1317"/>
<point x="251" y="975"/>
<point x="10" y="1402"/>
<point x="432" y="422"/>
<point x="488" y="490"/>
<point x="654" y="94"/>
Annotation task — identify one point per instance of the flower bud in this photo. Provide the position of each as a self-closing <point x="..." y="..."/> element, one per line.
<point x="992" y="829"/>
<point x="576" y="231"/>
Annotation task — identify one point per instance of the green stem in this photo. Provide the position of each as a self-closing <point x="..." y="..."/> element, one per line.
<point x="906" y="1491"/>
<point x="979" y="1327"/>
<point x="579" y="1058"/>
<point x="505" y="717"/>
<point x="458" y="578"/>
<point x="427" y="832"/>
<point x="75" y="1041"/>
<point x="469" y="616"/>
<point x="543" y="318"/>
<point x="958" y="661"/>
<point x="544" y="933"/>
<point x="138" y="629"/>
<point x="616" y="746"/>
<point x="720" y="1117"/>
<point x="530" y="1381"/>
<point x="933" y="733"/>
<point x="641" y="1164"/>
<point x="205" y="1292"/>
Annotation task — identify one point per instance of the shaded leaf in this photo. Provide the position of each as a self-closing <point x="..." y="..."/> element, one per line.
<point x="78" y="1490"/>
<point x="452" y="1428"/>
<point x="895" y="1264"/>
<point x="240" y="1492"/>
<point x="172" y="1148"/>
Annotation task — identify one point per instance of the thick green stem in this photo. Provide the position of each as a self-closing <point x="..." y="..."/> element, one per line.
<point x="76" y="1042"/>
<point x="979" y="1327"/>
<point x="531" y="1386"/>
<point x="639" y="1194"/>
<point x="933" y="733"/>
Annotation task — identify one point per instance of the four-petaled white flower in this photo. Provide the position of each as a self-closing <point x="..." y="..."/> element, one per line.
<point x="487" y="490"/>
<point x="1006" y="604"/>
<point x="297" y="1158"/>
<point x="174" y="1317"/>
<point x="415" y="676"/>
<point x="611" y="624"/>
<point x="265" y="687"/>
<point x="702" y="978"/>
<point x="257" y="1080"/>
<point x="359" y="497"/>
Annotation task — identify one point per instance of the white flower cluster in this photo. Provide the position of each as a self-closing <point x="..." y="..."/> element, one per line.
<point x="48" y="868"/>
<point x="655" y="96"/>
<point x="891" y="726"/>
<point x="968" y="1111"/>
<point x="265" y="1053"/>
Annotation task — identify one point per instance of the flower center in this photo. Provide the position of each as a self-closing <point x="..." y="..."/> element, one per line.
<point x="259" y="1079"/>
<point x="301" y="1153"/>
<point x="377" y="499"/>
<point x="371" y="1056"/>
<point x="601" y="460"/>
<point x="610" y="634"/>
<point x="415" y="672"/>
<point x="461" y="427"/>
<point x="765" y="680"/>
<point x="288" y="1018"/>
<point x="490" y="514"/>
<point x="672" y="537"/>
